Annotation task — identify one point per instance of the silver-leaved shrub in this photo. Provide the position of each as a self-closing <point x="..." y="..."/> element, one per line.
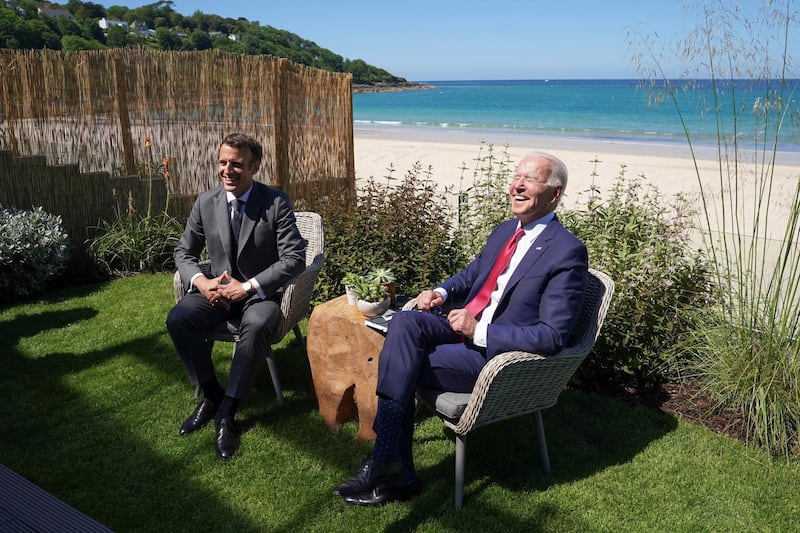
<point x="34" y="248"/>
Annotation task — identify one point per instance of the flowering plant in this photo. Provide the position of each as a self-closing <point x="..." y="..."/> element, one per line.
<point x="644" y="244"/>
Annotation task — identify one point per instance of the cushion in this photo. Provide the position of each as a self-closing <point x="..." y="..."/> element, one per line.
<point x="448" y="404"/>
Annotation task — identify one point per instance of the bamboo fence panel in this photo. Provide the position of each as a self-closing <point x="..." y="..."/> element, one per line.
<point x="93" y="110"/>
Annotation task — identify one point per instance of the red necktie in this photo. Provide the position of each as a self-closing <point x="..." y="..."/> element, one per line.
<point x="477" y="304"/>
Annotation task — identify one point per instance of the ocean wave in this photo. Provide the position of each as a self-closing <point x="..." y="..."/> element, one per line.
<point x="380" y="122"/>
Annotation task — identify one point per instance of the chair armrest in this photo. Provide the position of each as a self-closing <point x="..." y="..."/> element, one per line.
<point x="516" y="383"/>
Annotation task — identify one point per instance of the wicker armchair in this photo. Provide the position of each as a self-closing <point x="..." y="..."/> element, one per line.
<point x="294" y="304"/>
<point x="517" y="383"/>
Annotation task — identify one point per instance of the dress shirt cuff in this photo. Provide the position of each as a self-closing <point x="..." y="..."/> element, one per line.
<point x="257" y="287"/>
<point x="442" y="291"/>
<point x="481" y="332"/>
<point x="191" y="282"/>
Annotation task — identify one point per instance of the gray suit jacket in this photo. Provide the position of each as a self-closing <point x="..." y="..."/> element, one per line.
<point x="271" y="249"/>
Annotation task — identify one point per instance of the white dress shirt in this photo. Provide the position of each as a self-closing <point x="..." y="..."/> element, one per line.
<point x="532" y="231"/>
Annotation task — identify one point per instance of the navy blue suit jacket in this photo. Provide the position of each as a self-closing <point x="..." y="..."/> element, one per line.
<point x="542" y="299"/>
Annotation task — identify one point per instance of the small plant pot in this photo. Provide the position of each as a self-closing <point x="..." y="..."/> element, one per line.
<point x="391" y="290"/>
<point x="369" y="309"/>
<point x="352" y="299"/>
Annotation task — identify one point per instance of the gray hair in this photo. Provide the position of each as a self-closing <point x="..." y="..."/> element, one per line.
<point x="559" y="174"/>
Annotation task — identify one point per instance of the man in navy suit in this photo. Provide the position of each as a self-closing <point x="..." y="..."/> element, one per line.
<point x="254" y="247"/>
<point x="531" y="304"/>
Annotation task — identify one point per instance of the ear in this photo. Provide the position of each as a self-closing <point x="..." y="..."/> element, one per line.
<point x="556" y="194"/>
<point x="256" y="166"/>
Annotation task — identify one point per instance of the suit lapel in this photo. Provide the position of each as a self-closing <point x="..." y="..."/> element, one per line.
<point x="491" y="251"/>
<point x="250" y="215"/>
<point x="534" y="253"/>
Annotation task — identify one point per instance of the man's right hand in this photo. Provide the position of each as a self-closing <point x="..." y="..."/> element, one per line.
<point x="428" y="300"/>
<point x="210" y="289"/>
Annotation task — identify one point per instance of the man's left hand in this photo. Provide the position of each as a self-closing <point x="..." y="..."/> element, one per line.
<point x="232" y="289"/>
<point x="462" y="322"/>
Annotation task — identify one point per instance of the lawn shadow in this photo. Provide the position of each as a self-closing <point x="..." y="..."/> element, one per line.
<point x="29" y="324"/>
<point x="77" y="443"/>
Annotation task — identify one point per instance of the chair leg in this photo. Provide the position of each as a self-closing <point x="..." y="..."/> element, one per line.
<point x="299" y="335"/>
<point x="461" y="452"/>
<point x="542" y="443"/>
<point x="273" y="373"/>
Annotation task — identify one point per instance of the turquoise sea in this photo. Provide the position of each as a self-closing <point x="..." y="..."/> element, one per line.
<point x="616" y="110"/>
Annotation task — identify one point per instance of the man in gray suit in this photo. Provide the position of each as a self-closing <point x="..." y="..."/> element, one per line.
<point x="254" y="247"/>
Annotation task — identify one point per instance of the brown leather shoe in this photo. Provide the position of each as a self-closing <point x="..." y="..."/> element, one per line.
<point x="202" y="415"/>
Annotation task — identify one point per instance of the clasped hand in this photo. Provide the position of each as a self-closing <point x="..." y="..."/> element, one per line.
<point x="221" y="291"/>
<point x="460" y="319"/>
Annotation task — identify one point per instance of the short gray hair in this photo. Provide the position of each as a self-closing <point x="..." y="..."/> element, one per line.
<point x="559" y="175"/>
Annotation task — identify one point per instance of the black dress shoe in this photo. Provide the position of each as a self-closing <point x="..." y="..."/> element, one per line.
<point x="369" y="475"/>
<point x="203" y="413"/>
<point x="385" y="493"/>
<point x="226" y="441"/>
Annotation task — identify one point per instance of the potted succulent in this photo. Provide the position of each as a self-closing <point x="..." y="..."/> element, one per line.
<point x="373" y="299"/>
<point x="349" y="281"/>
<point x="386" y="277"/>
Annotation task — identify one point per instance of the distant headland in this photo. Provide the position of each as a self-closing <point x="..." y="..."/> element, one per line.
<point x="384" y="87"/>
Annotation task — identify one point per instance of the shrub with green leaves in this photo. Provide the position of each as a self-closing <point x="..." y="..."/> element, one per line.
<point x="645" y="246"/>
<point x="34" y="248"/>
<point x="405" y="225"/>
<point x="484" y="203"/>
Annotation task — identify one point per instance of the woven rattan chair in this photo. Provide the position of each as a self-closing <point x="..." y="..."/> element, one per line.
<point x="517" y="383"/>
<point x="294" y="304"/>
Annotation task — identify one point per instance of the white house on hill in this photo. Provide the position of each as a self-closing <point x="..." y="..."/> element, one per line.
<point x="106" y="24"/>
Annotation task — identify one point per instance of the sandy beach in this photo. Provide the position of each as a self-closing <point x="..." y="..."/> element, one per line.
<point x="669" y="166"/>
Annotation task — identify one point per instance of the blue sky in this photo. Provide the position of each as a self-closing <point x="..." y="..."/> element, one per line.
<point x="456" y="40"/>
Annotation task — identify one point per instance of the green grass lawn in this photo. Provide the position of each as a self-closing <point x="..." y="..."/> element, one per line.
<point x="93" y="395"/>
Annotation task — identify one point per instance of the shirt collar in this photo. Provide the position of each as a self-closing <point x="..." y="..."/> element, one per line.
<point x="543" y="220"/>
<point x="243" y="198"/>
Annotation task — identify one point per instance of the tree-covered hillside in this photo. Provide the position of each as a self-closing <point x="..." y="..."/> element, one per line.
<point x="79" y="25"/>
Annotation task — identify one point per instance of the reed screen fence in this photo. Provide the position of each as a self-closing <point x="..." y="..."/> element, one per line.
<point x="92" y="110"/>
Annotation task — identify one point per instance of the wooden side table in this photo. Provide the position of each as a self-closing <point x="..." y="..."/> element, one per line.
<point x="343" y="356"/>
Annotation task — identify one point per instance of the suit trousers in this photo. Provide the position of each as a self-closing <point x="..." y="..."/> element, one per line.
<point x="422" y="349"/>
<point x="193" y="318"/>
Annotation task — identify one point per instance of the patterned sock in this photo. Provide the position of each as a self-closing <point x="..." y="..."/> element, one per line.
<point x="388" y="422"/>
<point x="406" y="437"/>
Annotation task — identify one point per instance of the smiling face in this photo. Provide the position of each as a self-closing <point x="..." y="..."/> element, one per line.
<point x="532" y="194"/>
<point x="236" y="169"/>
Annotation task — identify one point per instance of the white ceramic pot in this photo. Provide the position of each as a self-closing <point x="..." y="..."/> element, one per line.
<point x="352" y="299"/>
<point x="373" y="308"/>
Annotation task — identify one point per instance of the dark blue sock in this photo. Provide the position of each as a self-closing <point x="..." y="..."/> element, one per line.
<point x="387" y="426"/>
<point x="227" y="408"/>
<point x="213" y="391"/>
<point x="406" y="439"/>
